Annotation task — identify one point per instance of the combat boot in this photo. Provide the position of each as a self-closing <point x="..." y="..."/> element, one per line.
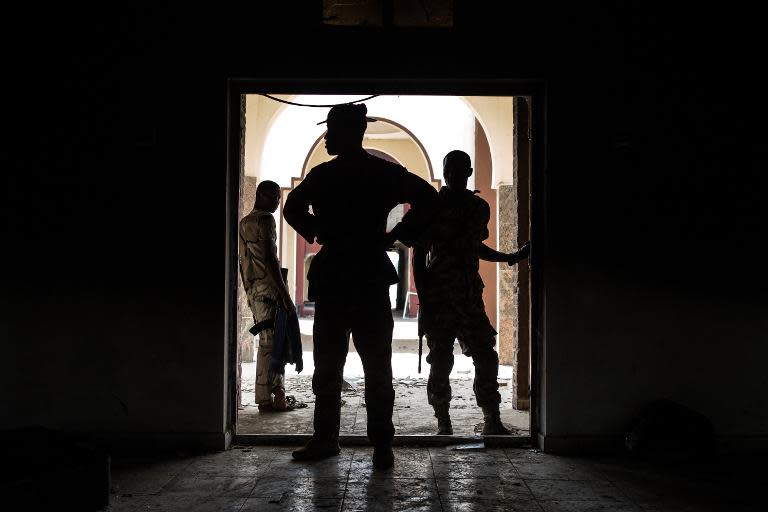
<point x="444" y="427"/>
<point x="317" y="449"/>
<point x="383" y="457"/>
<point x="493" y="425"/>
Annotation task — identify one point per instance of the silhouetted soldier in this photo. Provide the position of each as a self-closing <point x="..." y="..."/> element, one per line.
<point x="266" y="290"/>
<point x="446" y="272"/>
<point x="351" y="197"/>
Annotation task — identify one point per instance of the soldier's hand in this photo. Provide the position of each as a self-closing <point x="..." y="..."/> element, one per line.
<point x="524" y="251"/>
<point x="520" y="254"/>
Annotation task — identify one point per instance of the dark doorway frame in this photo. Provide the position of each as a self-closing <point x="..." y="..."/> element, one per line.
<point x="535" y="89"/>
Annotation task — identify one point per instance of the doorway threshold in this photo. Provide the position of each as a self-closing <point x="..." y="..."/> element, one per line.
<point x="399" y="440"/>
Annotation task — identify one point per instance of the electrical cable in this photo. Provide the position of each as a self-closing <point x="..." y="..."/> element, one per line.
<point x="323" y="106"/>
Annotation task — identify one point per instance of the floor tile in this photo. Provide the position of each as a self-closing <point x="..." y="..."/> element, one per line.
<point x="471" y="489"/>
<point x="293" y="504"/>
<point x="558" y="469"/>
<point x="446" y="468"/>
<point x="396" y="489"/>
<point x="491" y="506"/>
<point x="147" y="478"/>
<point x="389" y="505"/>
<point x="210" y="485"/>
<point x="170" y="503"/>
<point x="408" y="464"/>
<point x="589" y="506"/>
<point x="570" y="490"/>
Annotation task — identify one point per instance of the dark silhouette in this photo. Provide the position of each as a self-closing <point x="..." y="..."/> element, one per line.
<point x="268" y="299"/>
<point x="446" y="273"/>
<point x="350" y="197"/>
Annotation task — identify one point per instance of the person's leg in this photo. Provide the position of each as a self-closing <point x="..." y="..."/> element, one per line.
<point x="329" y="354"/>
<point x="480" y="341"/>
<point x="261" y="310"/>
<point x="263" y="390"/>
<point x="279" y="402"/>
<point x="372" y="334"/>
<point x="486" y="384"/>
<point x="440" y="359"/>
<point x="373" y="340"/>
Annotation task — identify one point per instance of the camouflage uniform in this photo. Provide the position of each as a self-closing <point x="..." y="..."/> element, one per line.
<point x="262" y="289"/>
<point x="452" y="300"/>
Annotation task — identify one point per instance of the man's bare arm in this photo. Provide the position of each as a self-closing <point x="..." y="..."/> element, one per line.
<point x="272" y="266"/>
<point x="242" y="258"/>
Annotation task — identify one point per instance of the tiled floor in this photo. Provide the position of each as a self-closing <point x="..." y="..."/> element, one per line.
<point x="434" y="479"/>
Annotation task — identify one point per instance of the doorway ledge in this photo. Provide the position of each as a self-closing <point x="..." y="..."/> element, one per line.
<point x="403" y="440"/>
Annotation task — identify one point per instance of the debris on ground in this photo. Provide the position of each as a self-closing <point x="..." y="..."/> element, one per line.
<point x="415" y="416"/>
<point x="470" y="447"/>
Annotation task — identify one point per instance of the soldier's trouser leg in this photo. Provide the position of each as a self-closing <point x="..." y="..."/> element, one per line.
<point x="329" y="354"/>
<point x="486" y="361"/>
<point x="440" y="359"/>
<point x="372" y="334"/>
<point x="266" y="381"/>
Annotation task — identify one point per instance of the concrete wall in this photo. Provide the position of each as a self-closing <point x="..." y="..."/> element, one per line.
<point x="114" y="216"/>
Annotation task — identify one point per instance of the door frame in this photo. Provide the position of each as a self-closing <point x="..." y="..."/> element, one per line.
<point x="536" y="89"/>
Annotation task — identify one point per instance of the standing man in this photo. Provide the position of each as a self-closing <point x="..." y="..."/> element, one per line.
<point x="350" y="198"/>
<point x="266" y="291"/>
<point x="446" y="272"/>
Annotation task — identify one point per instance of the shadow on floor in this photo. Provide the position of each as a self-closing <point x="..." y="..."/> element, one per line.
<point x="263" y="478"/>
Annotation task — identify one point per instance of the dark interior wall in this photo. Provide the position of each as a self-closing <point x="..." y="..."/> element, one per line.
<point x="114" y="205"/>
<point x="656" y="281"/>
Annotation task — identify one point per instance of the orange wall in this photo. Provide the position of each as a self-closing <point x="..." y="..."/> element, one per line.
<point x="483" y="184"/>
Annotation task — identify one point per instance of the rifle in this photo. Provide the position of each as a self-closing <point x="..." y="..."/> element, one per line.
<point x="421" y="335"/>
<point x="419" y="263"/>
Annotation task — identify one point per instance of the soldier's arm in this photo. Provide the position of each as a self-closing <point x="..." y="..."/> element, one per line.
<point x="424" y="203"/>
<point x="488" y="254"/>
<point x="242" y="256"/>
<point x="296" y="209"/>
<point x="272" y="263"/>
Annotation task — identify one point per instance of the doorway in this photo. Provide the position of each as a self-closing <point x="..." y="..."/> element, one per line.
<point x="489" y="128"/>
